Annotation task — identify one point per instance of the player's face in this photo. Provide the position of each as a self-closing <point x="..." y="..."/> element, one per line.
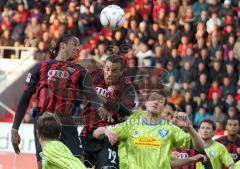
<point x="206" y="131"/>
<point x="155" y="103"/>
<point x="112" y="72"/>
<point x="232" y="127"/>
<point x="168" y="113"/>
<point x="72" y="48"/>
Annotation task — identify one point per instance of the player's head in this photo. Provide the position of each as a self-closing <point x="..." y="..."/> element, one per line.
<point x="113" y="69"/>
<point x="232" y="126"/>
<point x="156" y="102"/>
<point x="67" y="46"/>
<point x="49" y="127"/>
<point x="168" y="111"/>
<point x="206" y="129"/>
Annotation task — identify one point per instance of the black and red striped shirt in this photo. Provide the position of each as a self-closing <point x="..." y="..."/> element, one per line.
<point x="124" y="94"/>
<point x="232" y="147"/>
<point x="183" y="153"/>
<point x="56" y="85"/>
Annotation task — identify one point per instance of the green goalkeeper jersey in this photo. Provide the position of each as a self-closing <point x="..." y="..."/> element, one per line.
<point x="148" y="146"/>
<point x="218" y="155"/>
<point x="57" y="156"/>
<point x="237" y="165"/>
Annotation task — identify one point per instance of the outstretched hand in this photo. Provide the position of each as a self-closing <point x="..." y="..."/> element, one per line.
<point x="15" y="138"/>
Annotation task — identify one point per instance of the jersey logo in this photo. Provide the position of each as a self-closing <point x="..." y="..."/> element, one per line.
<point x="103" y="92"/>
<point x="28" y="77"/>
<point x="234" y="156"/>
<point x="147" y="141"/>
<point x="136" y="133"/>
<point x="57" y="74"/>
<point x="212" y="153"/>
<point x="163" y="133"/>
<point x="182" y="155"/>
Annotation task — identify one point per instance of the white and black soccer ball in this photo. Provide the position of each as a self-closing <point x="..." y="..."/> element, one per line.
<point x="112" y="17"/>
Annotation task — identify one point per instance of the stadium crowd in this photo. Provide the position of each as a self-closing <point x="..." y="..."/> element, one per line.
<point x="192" y="40"/>
<point x="191" y="46"/>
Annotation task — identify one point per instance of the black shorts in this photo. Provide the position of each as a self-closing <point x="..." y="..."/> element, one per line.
<point x="99" y="153"/>
<point x="69" y="136"/>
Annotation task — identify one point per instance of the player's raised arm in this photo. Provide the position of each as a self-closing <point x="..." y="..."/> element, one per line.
<point x="30" y="87"/>
<point x="184" y="122"/>
<point x="101" y="131"/>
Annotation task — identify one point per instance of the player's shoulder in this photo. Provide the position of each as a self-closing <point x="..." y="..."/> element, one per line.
<point x="219" y="145"/>
<point x="222" y="139"/>
<point x="137" y="115"/>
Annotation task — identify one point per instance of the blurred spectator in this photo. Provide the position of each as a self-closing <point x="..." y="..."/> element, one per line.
<point x="213" y="21"/>
<point x="43" y="53"/>
<point x="215" y="88"/>
<point x="33" y="27"/>
<point x="183" y="8"/>
<point x="145" y="56"/>
<point x="187" y="74"/>
<point x="229" y="102"/>
<point x="19" y="20"/>
<point x="175" y="97"/>
<point x="219" y="129"/>
<point x="202" y="85"/>
<point x="184" y="45"/>
<point x="58" y="14"/>
<point x="218" y="115"/>
<point x="200" y="115"/>
<point x="198" y="7"/>
<point x="227" y="87"/>
<point x="216" y="101"/>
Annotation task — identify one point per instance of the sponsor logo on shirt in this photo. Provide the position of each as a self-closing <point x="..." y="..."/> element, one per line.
<point x="182" y="155"/>
<point x="103" y="92"/>
<point x="212" y="153"/>
<point x="163" y="133"/>
<point x="147" y="141"/>
<point x="136" y="133"/>
<point x="234" y="156"/>
<point x="28" y="79"/>
<point x="52" y="74"/>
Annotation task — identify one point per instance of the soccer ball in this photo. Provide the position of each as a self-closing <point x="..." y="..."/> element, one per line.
<point x="112" y="17"/>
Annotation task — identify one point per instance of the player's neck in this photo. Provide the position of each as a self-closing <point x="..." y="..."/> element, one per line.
<point x="43" y="143"/>
<point x="61" y="57"/>
<point x="208" y="142"/>
<point x="152" y="118"/>
<point x="232" y="138"/>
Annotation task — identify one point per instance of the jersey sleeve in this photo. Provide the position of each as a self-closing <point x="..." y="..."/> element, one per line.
<point x="58" y="155"/>
<point x="32" y="79"/>
<point x="180" y="138"/>
<point x="226" y="157"/>
<point x="122" y="130"/>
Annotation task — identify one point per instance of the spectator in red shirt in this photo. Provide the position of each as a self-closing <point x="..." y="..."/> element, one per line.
<point x="215" y="88"/>
<point x="160" y="4"/>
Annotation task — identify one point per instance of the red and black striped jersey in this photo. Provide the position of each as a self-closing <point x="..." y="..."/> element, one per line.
<point x="124" y="93"/>
<point x="57" y="84"/>
<point x="183" y="153"/>
<point x="232" y="147"/>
